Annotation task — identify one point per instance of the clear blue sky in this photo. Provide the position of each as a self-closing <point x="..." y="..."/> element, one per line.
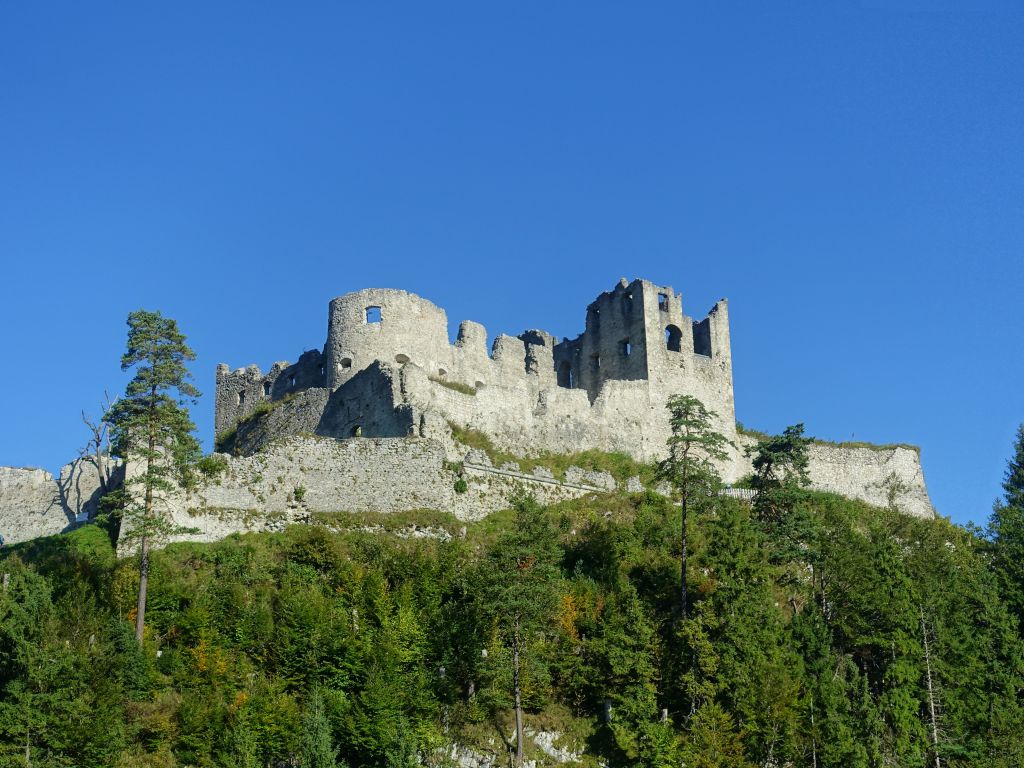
<point x="849" y="174"/>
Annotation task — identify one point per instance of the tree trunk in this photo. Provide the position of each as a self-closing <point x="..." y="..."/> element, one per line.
<point x="814" y="739"/>
<point x="517" y="694"/>
<point x="931" y="691"/>
<point x="683" y="596"/>
<point x="140" y="608"/>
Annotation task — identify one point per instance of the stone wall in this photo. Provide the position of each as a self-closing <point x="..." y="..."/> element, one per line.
<point x="867" y="473"/>
<point x="870" y="473"/>
<point x="296" y="478"/>
<point x="390" y="368"/>
<point x="242" y="391"/>
<point x="34" y="503"/>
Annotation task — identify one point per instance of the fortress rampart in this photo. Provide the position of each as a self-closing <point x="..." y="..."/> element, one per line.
<point x="387" y="370"/>
<point x="391" y="393"/>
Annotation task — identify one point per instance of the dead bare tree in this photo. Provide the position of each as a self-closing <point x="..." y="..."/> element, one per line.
<point x="97" y="448"/>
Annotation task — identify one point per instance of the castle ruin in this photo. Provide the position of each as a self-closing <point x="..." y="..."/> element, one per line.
<point x="389" y="370"/>
<point x="370" y="422"/>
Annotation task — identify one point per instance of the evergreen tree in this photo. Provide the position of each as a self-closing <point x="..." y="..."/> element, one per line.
<point x="780" y="472"/>
<point x="714" y="741"/>
<point x="151" y="425"/>
<point x="1006" y="531"/>
<point x="1013" y="481"/>
<point x="519" y="589"/>
<point x="318" y="750"/>
<point x="693" y="450"/>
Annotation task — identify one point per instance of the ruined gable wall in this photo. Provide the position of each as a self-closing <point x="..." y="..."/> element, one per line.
<point x="240" y="392"/>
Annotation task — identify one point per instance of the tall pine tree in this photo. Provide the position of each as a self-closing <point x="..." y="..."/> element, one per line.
<point x="1006" y="531"/>
<point x="151" y="425"/>
<point x="694" y="449"/>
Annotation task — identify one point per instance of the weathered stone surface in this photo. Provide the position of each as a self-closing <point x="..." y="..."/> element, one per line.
<point x="29" y="505"/>
<point x="580" y="476"/>
<point x="866" y="473"/>
<point x="870" y="473"/>
<point x="299" y="415"/>
<point x="296" y="478"/>
<point x="33" y="503"/>
<point x="390" y="371"/>
<point x="476" y="456"/>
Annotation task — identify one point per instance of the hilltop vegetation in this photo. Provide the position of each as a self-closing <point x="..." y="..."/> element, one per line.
<point x="805" y="643"/>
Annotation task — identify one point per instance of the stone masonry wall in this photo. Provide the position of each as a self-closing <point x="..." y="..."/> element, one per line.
<point x="34" y="503"/>
<point x="869" y="473"/>
<point x="865" y="473"/>
<point x="391" y="373"/>
<point x="296" y="478"/>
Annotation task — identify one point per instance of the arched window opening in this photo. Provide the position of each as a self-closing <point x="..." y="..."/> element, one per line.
<point x="442" y="372"/>
<point x="291" y="381"/>
<point x="673" y="339"/>
<point x="595" y="362"/>
<point x="373" y="315"/>
<point x="625" y="348"/>
<point x="663" y="302"/>
<point x="346" y="362"/>
<point x="357" y="431"/>
<point x="241" y="397"/>
<point x="266" y="389"/>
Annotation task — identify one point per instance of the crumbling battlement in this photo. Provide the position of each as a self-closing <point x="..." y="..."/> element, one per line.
<point x="388" y="370"/>
<point x="636" y="332"/>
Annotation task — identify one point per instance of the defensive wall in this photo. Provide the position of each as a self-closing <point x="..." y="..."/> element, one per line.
<point x="305" y="478"/>
<point x="297" y="479"/>
<point x="34" y="503"/>
<point x="387" y="370"/>
<point x="388" y="387"/>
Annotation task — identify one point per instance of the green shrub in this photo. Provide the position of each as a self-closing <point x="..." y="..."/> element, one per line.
<point x="212" y="466"/>
<point x="461" y="486"/>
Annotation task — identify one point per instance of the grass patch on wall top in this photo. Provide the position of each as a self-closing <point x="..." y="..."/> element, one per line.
<point x="621" y="466"/>
<point x="759" y="435"/>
